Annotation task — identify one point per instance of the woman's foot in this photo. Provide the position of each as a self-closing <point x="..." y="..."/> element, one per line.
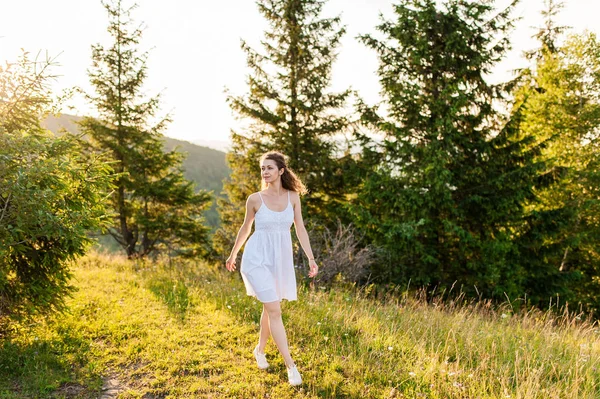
<point x="261" y="359"/>
<point x="294" y="376"/>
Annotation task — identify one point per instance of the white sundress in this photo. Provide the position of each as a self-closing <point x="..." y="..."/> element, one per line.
<point x="267" y="263"/>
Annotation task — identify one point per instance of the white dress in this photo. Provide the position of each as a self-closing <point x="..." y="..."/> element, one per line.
<point x="267" y="263"/>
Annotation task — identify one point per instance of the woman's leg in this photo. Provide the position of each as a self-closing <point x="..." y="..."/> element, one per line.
<point x="265" y="332"/>
<point x="278" y="331"/>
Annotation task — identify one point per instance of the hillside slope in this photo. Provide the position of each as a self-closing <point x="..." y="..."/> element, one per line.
<point x="187" y="330"/>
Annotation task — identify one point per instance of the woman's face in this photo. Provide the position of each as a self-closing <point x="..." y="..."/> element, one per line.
<point x="269" y="171"/>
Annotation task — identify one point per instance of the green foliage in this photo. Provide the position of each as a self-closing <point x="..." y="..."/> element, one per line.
<point x="204" y="166"/>
<point x="450" y="178"/>
<point x="243" y="180"/>
<point x="50" y="197"/>
<point x="290" y="111"/>
<point x="155" y="207"/>
<point x="561" y="95"/>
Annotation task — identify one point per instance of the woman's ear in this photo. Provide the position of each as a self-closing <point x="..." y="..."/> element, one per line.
<point x="281" y="171"/>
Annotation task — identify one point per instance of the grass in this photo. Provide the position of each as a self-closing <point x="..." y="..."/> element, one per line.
<point x="187" y="331"/>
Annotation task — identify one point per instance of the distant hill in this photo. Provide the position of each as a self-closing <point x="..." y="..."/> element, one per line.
<point x="220" y="145"/>
<point x="204" y="166"/>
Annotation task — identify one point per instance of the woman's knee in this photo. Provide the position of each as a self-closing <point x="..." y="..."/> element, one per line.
<point x="273" y="309"/>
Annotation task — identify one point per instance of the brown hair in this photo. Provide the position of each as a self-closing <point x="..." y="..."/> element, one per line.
<point x="289" y="180"/>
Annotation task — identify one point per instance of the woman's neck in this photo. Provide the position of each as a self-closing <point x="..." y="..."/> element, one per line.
<point x="275" y="188"/>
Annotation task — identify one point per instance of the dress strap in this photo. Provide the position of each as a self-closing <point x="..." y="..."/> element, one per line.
<point x="261" y="198"/>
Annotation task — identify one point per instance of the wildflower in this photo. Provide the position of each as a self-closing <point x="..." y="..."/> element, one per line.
<point x="390" y="348"/>
<point x="228" y="306"/>
<point x="504" y="315"/>
<point x="326" y="338"/>
<point x="412" y="373"/>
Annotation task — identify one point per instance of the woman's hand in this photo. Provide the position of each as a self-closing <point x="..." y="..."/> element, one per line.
<point x="230" y="263"/>
<point x="314" y="268"/>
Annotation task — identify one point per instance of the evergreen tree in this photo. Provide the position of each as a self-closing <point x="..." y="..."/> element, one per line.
<point x="550" y="32"/>
<point x="155" y="207"/>
<point x="561" y="93"/>
<point x="450" y="177"/>
<point x="290" y="110"/>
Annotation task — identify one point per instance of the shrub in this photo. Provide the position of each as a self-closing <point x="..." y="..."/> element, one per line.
<point x="50" y="197"/>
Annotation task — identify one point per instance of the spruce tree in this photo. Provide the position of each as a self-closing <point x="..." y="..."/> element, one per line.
<point x="451" y="176"/>
<point x="289" y="110"/>
<point x="155" y="207"/>
<point x="561" y="92"/>
<point x="549" y="34"/>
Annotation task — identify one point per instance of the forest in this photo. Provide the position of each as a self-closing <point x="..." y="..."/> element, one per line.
<point x="456" y="222"/>
<point x="450" y="184"/>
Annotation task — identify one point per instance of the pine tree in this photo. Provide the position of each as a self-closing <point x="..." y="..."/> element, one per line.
<point x="290" y="111"/>
<point x="155" y="206"/>
<point x="549" y="34"/>
<point x="451" y="176"/>
<point x="561" y="95"/>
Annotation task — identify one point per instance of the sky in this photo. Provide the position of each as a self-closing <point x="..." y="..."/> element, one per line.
<point x="195" y="53"/>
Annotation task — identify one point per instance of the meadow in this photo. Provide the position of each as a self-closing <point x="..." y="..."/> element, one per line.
<point x="186" y="329"/>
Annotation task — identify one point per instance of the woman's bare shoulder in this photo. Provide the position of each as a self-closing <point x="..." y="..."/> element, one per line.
<point x="253" y="201"/>
<point x="294" y="198"/>
<point x="253" y="197"/>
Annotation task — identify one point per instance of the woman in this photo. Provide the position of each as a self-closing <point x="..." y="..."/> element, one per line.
<point x="267" y="263"/>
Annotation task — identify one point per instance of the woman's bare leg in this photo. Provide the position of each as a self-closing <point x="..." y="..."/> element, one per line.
<point x="278" y="331"/>
<point x="265" y="331"/>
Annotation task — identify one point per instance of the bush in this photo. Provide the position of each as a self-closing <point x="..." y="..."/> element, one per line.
<point x="50" y="197"/>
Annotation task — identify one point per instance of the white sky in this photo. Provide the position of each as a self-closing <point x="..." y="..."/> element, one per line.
<point x="195" y="49"/>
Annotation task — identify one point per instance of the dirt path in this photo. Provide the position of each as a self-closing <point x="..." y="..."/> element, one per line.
<point x="111" y="388"/>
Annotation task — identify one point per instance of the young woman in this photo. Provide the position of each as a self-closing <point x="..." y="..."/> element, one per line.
<point x="267" y="263"/>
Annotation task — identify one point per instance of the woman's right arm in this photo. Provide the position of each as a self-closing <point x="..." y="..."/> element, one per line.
<point x="243" y="233"/>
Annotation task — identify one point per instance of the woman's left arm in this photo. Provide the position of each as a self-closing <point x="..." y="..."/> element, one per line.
<point x="303" y="234"/>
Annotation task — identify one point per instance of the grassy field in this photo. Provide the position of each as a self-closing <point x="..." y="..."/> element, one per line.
<point x="187" y="330"/>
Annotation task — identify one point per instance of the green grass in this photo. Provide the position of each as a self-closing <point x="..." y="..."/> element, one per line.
<point x="187" y="331"/>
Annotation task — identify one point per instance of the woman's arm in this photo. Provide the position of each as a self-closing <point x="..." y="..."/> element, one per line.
<point x="243" y="233"/>
<point x="303" y="235"/>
